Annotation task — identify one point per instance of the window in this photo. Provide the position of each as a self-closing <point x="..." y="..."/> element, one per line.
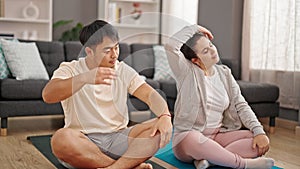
<point x="275" y="35"/>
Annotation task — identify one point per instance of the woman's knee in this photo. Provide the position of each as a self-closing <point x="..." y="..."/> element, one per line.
<point x="186" y="144"/>
<point x="181" y="153"/>
<point x="195" y="137"/>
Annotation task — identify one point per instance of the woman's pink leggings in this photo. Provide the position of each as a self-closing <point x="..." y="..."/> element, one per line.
<point x="225" y="149"/>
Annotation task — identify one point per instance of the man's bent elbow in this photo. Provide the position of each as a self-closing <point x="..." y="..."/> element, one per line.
<point x="47" y="97"/>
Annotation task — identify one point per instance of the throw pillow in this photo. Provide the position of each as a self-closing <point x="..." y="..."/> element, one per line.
<point x="4" y="71"/>
<point x="162" y="70"/>
<point x="24" y="61"/>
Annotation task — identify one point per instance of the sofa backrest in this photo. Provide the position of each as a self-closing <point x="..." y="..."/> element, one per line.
<point x="138" y="56"/>
<point x="125" y="53"/>
<point x="52" y="54"/>
<point x="72" y="50"/>
<point x="143" y="59"/>
<point x="233" y="65"/>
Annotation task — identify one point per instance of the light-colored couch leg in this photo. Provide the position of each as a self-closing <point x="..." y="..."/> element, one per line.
<point x="297" y="130"/>
<point x="3" y="131"/>
<point x="271" y="129"/>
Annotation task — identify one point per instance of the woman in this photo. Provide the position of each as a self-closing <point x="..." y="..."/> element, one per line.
<point x="210" y="110"/>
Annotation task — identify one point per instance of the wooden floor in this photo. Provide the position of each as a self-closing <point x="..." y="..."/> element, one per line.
<point x="16" y="152"/>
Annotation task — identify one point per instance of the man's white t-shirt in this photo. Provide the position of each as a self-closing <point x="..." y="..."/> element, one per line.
<point x="98" y="108"/>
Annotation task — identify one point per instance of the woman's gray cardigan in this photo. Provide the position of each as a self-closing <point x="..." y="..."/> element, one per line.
<point x="190" y="107"/>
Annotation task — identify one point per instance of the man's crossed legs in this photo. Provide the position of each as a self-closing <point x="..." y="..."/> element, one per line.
<point x="76" y="149"/>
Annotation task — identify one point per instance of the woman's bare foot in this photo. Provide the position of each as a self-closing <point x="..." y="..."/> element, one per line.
<point x="144" y="166"/>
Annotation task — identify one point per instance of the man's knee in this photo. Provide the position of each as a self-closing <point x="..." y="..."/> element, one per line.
<point x="61" y="142"/>
<point x="152" y="142"/>
<point x="144" y="146"/>
<point x="61" y="136"/>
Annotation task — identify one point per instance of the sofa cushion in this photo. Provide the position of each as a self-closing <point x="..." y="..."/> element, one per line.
<point x="135" y="104"/>
<point x="162" y="70"/>
<point x="143" y="59"/>
<point x="124" y="53"/>
<point x="73" y="50"/>
<point x="258" y="92"/>
<point x="233" y="64"/>
<point x="13" y="108"/>
<point x="153" y="83"/>
<point x="4" y="70"/>
<point x="169" y="88"/>
<point x="24" y="60"/>
<point x="52" y="54"/>
<point x="22" y="89"/>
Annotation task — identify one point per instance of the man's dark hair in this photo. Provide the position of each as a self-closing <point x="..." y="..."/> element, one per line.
<point x="93" y="34"/>
<point x="188" y="48"/>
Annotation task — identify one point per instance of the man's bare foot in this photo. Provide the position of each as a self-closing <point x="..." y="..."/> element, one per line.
<point x="141" y="166"/>
<point x="144" y="166"/>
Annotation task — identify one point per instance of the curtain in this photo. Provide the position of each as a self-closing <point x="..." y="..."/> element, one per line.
<point x="271" y="46"/>
<point x="176" y="15"/>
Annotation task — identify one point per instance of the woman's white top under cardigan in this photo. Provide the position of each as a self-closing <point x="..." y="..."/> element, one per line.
<point x="217" y="100"/>
<point x="190" y="107"/>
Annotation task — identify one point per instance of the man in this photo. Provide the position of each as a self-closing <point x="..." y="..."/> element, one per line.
<point x="93" y="93"/>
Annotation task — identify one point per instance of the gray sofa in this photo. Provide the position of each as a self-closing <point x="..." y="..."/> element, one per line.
<point x="24" y="98"/>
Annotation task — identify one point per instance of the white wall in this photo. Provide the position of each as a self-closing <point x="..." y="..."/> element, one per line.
<point x="77" y="10"/>
<point x="176" y="14"/>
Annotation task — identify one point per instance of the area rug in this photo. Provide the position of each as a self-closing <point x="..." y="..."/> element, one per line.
<point x="42" y="143"/>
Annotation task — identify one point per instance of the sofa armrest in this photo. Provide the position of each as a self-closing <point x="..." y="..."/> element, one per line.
<point x="234" y="65"/>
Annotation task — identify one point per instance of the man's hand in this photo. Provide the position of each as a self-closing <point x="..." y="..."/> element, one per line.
<point x="262" y="143"/>
<point x="164" y="127"/>
<point x="100" y="75"/>
<point x="159" y="106"/>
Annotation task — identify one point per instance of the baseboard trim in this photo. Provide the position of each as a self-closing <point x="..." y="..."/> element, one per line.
<point x="280" y="122"/>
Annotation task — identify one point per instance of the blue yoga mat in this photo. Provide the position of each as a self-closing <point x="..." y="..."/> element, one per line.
<point x="166" y="154"/>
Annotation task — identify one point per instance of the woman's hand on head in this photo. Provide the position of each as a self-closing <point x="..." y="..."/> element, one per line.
<point x="206" y="32"/>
